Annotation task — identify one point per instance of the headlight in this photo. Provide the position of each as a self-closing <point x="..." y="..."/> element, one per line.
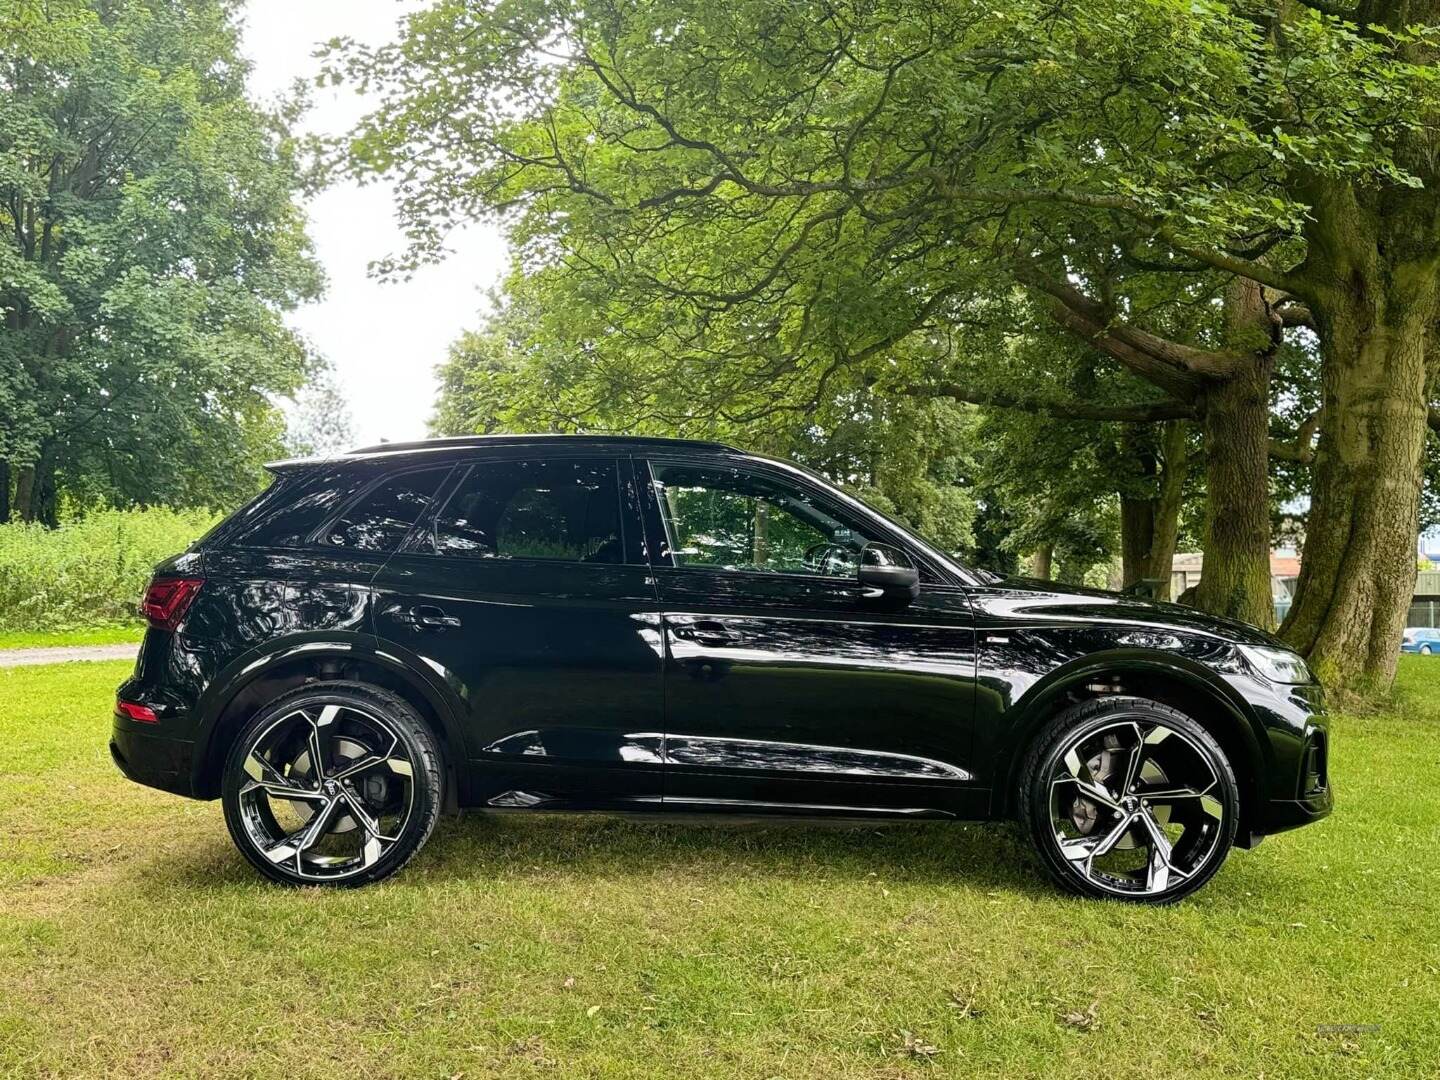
<point x="1277" y="665"/>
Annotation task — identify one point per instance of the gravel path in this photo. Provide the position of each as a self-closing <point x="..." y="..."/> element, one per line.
<point x="62" y="653"/>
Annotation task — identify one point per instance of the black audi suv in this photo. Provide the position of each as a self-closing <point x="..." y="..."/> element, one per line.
<point x="587" y="622"/>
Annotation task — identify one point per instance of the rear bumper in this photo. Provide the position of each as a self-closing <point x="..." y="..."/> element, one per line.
<point x="153" y="760"/>
<point x="153" y="754"/>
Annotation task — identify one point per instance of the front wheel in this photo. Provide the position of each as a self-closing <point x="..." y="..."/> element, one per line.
<point x="1424" y="650"/>
<point x="1129" y="799"/>
<point x="334" y="783"/>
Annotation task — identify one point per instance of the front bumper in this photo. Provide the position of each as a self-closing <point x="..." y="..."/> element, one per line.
<point x="1282" y="814"/>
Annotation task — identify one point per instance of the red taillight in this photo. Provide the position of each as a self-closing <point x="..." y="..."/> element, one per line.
<point x="167" y="600"/>
<point x="141" y="714"/>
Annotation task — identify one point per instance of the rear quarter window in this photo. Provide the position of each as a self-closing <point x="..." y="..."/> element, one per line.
<point x="380" y="519"/>
<point x="292" y="508"/>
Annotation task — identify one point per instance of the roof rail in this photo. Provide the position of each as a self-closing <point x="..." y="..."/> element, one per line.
<point x="463" y="441"/>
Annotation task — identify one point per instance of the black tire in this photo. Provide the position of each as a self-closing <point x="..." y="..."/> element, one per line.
<point x="1424" y="650"/>
<point x="392" y="802"/>
<point x="1055" y="797"/>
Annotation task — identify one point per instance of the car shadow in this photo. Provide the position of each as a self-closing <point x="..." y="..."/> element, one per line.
<point x="535" y="845"/>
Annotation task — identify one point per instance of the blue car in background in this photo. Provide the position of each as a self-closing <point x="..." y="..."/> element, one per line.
<point x="1421" y="639"/>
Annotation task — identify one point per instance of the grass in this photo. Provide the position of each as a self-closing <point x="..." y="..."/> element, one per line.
<point x="95" y="635"/>
<point x="135" y="941"/>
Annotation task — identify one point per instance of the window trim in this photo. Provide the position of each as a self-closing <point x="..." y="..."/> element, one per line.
<point x="463" y="470"/>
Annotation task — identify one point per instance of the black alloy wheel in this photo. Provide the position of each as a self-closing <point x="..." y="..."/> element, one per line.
<point x="1129" y="799"/>
<point x="333" y="783"/>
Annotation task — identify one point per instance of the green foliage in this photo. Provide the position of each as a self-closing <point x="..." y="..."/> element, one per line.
<point x="150" y="241"/>
<point x="91" y="572"/>
<point x="752" y="222"/>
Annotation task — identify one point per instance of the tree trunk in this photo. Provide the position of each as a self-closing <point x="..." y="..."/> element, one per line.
<point x="24" y="487"/>
<point x="1042" y="562"/>
<point x="4" y="492"/>
<point x="1357" y="571"/>
<point x="1137" y="535"/>
<point x="1174" y="468"/>
<point x="1149" y="526"/>
<point x="1235" y="580"/>
<point x="45" y="499"/>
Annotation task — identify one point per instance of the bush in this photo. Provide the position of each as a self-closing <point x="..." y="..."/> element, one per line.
<point x="90" y="572"/>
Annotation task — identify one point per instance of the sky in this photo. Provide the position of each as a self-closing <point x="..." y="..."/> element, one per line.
<point x="383" y="339"/>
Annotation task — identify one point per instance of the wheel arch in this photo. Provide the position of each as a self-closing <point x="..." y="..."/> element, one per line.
<point x="1183" y="685"/>
<point x="253" y="680"/>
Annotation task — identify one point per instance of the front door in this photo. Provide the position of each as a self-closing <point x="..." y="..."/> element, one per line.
<point x="785" y="687"/>
<point x="527" y="590"/>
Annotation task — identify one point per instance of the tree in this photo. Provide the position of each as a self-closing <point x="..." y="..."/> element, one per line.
<point x="802" y="187"/>
<point x="320" y="422"/>
<point x="151" y="242"/>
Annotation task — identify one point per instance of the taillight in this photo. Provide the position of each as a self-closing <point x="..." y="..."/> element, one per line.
<point x="167" y="599"/>
<point x="141" y="714"/>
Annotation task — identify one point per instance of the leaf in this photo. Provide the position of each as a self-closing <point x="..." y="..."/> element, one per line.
<point x="918" y="1047"/>
<point x="1089" y="1020"/>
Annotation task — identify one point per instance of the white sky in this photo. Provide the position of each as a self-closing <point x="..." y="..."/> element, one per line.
<point x="384" y="340"/>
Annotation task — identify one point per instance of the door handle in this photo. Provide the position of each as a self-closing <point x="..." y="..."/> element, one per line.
<point x="426" y="615"/>
<point x="707" y="632"/>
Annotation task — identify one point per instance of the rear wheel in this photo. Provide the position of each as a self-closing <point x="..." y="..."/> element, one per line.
<point x="1129" y="799"/>
<point x="1424" y="650"/>
<point x="334" y="783"/>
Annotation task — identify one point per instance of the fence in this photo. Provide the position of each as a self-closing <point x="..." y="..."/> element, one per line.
<point x="1423" y="613"/>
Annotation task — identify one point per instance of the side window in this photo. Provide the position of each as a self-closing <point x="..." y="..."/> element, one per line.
<point x="294" y="507"/>
<point x="382" y="517"/>
<point x="733" y="520"/>
<point x="563" y="509"/>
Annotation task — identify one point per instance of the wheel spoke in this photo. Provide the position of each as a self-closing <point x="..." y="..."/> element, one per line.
<point x="1090" y="790"/>
<point x="1081" y="776"/>
<point x="362" y="814"/>
<point x="1087" y="849"/>
<point x="1132" y="765"/>
<point x="284" y="791"/>
<point x="264" y="774"/>
<point x="316" y="828"/>
<point x="1160" y="867"/>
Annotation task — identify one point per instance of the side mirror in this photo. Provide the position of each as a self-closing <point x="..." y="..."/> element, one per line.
<point x="887" y="573"/>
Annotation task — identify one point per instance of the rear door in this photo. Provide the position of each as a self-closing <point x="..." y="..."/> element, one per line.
<point x="785" y="687"/>
<point x="526" y="589"/>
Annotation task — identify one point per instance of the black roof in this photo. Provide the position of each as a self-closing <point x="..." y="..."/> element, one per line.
<point x="461" y="442"/>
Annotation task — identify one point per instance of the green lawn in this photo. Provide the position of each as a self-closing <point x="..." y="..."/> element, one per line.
<point x="134" y="940"/>
<point x="98" y="635"/>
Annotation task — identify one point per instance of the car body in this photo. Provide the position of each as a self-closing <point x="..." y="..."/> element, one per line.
<point x="1424" y="640"/>
<point x="652" y="624"/>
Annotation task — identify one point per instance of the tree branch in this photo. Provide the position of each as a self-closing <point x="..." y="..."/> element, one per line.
<point x="1302" y="449"/>
<point x="1139" y="413"/>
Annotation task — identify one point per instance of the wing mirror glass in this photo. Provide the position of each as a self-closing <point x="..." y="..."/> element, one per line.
<point x="886" y="573"/>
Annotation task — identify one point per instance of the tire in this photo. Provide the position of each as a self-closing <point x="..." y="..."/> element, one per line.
<point x="1424" y="650"/>
<point x="368" y="810"/>
<point x="1109" y="778"/>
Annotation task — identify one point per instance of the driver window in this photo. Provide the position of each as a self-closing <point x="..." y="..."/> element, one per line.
<point x="732" y="520"/>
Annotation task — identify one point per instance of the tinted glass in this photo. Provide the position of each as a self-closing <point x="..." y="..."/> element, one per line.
<point x="560" y="509"/>
<point x="295" y="506"/>
<point x="734" y="520"/>
<point x="382" y="517"/>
